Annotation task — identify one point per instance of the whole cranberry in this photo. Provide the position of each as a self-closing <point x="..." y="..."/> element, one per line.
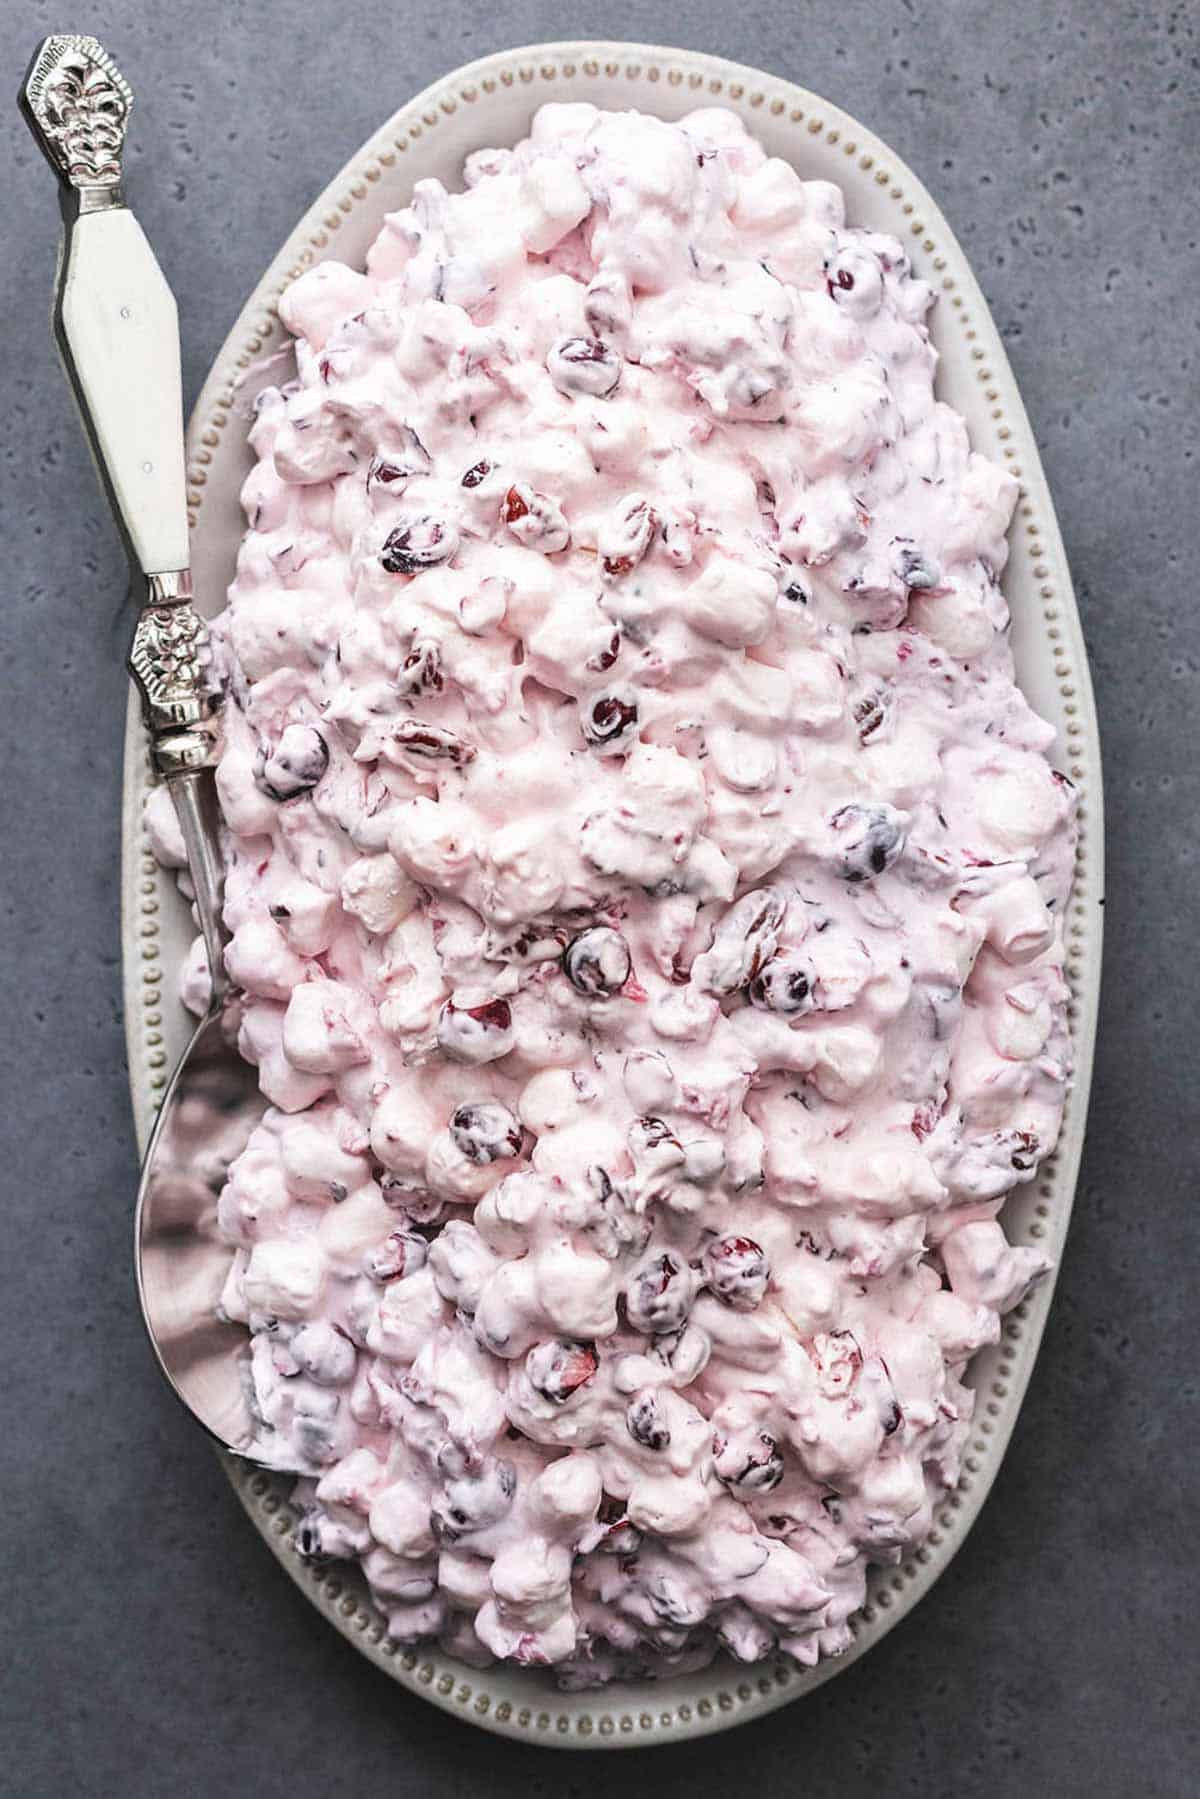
<point x="610" y="722"/>
<point x="737" y="1271"/>
<point x="793" y="586"/>
<point x="659" y="1294"/>
<point x="475" y="1033"/>
<point x="597" y="962"/>
<point x="917" y="568"/>
<point x="421" y="670"/>
<point x="310" y="1539"/>
<point x="419" y="543"/>
<point x="748" y="1468"/>
<point x="646" y="1423"/>
<point x="418" y="1204"/>
<point x="487" y="1132"/>
<point x="584" y="365"/>
<point x="559" y="1369"/>
<point x="871" y="839"/>
<point x="535" y="519"/>
<point x="399" y="1254"/>
<point x="607" y="305"/>
<point x="603" y="659"/>
<point x="784" y="985"/>
<point x="743" y="942"/>
<point x="394" y="475"/>
<point x="651" y="1133"/>
<point x="294" y="766"/>
<point x="838" y="1359"/>
<point x="626" y="536"/>
<point x="474" y="1499"/>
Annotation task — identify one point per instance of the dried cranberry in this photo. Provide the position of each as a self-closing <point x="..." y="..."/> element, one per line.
<point x="855" y="279"/>
<point x="477" y="473"/>
<point x="870" y="712"/>
<point x="381" y="473"/>
<point x="421" y="670"/>
<point x="681" y="969"/>
<point x="924" y="1120"/>
<point x="515" y="506"/>
<point x="428" y="743"/>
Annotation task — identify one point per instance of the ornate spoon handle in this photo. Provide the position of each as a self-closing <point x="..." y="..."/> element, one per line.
<point x="117" y="328"/>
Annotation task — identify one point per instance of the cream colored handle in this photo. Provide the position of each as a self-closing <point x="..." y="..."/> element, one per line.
<point x="118" y="328"/>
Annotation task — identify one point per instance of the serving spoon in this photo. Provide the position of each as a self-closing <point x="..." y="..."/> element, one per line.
<point x="117" y="329"/>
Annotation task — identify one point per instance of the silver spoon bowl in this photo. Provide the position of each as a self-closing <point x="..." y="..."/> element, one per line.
<point x="207" y="1115"/>
<point x="209" y="1111"/>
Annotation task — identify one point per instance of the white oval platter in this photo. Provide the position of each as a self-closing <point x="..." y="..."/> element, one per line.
<point x="486" y="103"/>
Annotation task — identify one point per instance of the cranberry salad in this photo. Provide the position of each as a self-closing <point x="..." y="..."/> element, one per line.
<point x="646" y="883"/>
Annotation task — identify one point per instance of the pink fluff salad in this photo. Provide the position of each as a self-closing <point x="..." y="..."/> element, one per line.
<point x="646" y="882"/>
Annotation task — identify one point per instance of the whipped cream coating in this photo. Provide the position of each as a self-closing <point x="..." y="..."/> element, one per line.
<point x="646" y="883"/>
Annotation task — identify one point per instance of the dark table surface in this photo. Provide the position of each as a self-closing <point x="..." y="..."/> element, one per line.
<point x="153" y="1646"/>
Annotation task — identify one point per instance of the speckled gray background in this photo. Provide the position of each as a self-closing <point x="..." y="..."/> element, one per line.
<point x="152" y="1646"/>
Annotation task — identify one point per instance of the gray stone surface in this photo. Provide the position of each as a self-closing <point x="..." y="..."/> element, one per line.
<point x="152" y="1645"/>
